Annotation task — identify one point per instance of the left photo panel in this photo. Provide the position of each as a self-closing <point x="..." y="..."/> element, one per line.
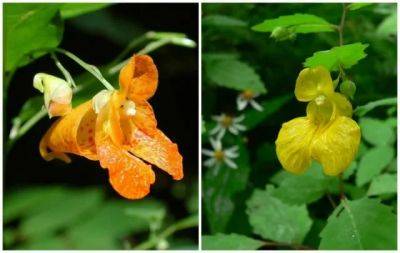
<point x="100" y="126"/>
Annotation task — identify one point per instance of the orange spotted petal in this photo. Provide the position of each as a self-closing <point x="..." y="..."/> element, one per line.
<point x="73" y="133"/>
<point x="138" y="79"/>
<point x="129" y="176"/>
<point x="144" y="118"/>
<point x="156" y="149"/>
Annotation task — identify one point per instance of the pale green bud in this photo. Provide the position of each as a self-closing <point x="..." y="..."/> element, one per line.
<point x="348" y="88"/>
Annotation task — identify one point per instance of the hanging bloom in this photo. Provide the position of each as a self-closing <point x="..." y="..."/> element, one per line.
<point x="119" y="129"/>
<point x="327" y="134"/>
<point x="248" y="97"/>
<point x="226" y="122"/>
<point x="220" y="156"/>
<point x="57" y="94"/>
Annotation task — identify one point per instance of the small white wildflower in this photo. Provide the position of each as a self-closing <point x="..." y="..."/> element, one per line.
<point x="225" y="122"/>
<point x="218" y="155"/>
<point x="248" y="97"/>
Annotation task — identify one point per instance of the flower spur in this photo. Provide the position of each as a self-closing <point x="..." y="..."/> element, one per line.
<point x="122" y="136"/>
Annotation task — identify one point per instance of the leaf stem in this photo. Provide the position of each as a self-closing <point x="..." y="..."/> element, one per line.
<point x="331" y="201"/>
<point x="185" y="223"/>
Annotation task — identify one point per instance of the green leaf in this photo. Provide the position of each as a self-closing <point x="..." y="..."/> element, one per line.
<point x="274" y="220"/>
<point x="47" y="242"/>
<point x="220" y="187"/>
<point x="372" y="163"/>
<point x="28" y="201"/>
<point x="221" y="20"/>
<point x="303" y="189"/>
<point x="254" y="118"/>
<point x="70" y="10"/>
<point x="234" y="74"/>
<point x="350" y="170"/>
<point x="377" y="132"/>
<point x="345" y="56"/>
<point x="363" y="224"/>
<point x="63" y="212"/>
<point x="298" y="23"/>
<point x="104" y="228"/>
<point x="356" y="6"/>
<point x="383" y="184"/>
<point x="29" y="26"/>
<point x="229" y="242"/>
<point x="364" y="109"/>
<point x="388" y="26"/>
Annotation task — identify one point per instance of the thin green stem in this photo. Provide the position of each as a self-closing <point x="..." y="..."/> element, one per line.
<point x="134" y="43"/>
<point x="65" y="72"/>
<point x="147" y="49"/>
<point x="341" y="187"/>
<point x="185" y="223"/>
<point x="90" y="68"/>
<point x="342" y="23"/>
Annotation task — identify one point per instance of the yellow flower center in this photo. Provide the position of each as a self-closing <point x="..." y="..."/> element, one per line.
<point x="227" y="121"/>
<point x="219" y="155"/>
<point x="247" y="94"/>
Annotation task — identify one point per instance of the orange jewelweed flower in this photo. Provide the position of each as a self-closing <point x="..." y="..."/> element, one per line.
<point x="123" y="135"/>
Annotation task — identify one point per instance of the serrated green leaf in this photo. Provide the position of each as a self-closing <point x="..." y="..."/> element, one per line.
<point x="363" y="224"/>
<point x="377" y="132"/>
<point x="345" y="56"/>
<point x="383" y="184"/>
<point x="299" y="23"/>
<point x="372" y="163"/>
<point x="29" y="26"/>
<point x="356" y="6"/>
<point x="221" y="20"/>
<point x="274" y="220"/>
<point x="364" y="109"/>
<point x="303" y="189"/>
<point x="220" y="187"/>
<point x="234" y="74"/>
<point x="229" y="242"/>
<point x="70" y="10"/>
<point x="270" y="106"/>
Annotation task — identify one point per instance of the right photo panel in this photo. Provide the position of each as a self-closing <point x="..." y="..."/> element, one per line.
<point x="299" y="123"/>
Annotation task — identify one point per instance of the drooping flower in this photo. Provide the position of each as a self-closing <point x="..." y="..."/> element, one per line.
<point x="218" y="155"/>
<point x="119" y="129"/>
<point x="57" y="94"/>
<point x="248" y="97"/>
<point x="227" y="123"/>
<point x="326" y="134"/>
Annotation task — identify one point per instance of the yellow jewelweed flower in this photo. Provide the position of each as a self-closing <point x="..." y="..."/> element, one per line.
<point x="326" y="134"/>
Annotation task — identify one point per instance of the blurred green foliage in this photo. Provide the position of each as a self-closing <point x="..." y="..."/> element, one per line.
<point x="56" y="217"/>
<point x="271" y="208"/>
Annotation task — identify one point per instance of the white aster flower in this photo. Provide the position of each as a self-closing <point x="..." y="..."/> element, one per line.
<point x="248" y="97"/>
<point x="219" y="156"/>
<point x="225" y="122"/>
